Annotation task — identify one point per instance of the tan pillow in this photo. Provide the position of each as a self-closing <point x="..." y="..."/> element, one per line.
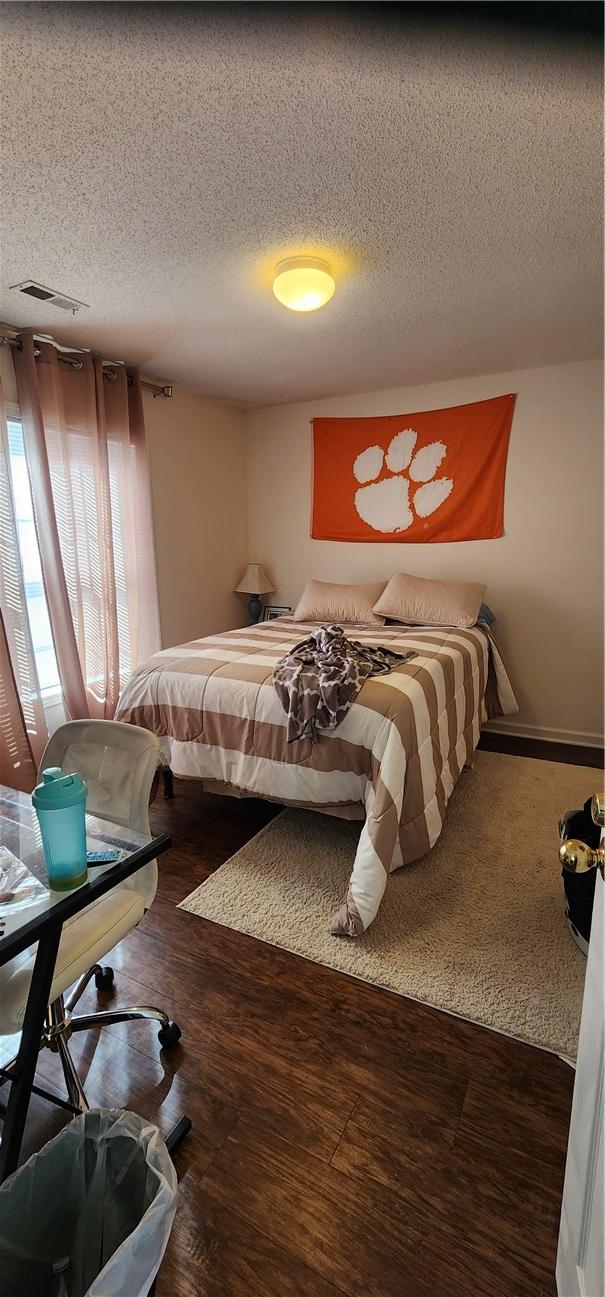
<point x="323" y="601"/>
<point x="436" y="603"/>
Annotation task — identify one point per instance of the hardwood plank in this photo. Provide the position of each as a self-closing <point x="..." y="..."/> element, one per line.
<point x="437" y="1180"/>
<point x="212" y="1253"/>
<point x="361" y="1238"/>
<point x="421" y="1115"/>
<point x="289" y="1034"/>
<point x="507" y="1123"/>
<point x="291" y="1044"/>
<point x="182" y="873"/>
<point x="307" y="1107"/>
<point x="322" y="1011"/>
<point x="166" y="965"/>
<point x="174" y="929"/>
<point x="120" y="1077"/>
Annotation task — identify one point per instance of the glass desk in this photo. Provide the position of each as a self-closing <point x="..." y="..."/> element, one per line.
<point x="40" y="921"/>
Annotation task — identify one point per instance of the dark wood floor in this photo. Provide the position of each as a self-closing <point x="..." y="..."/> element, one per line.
<point x="346" y="1141"/>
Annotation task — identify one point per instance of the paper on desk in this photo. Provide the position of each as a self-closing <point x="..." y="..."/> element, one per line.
<point x="18" y="886"/>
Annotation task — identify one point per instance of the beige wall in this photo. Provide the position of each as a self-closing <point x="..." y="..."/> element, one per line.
<point x="544" y="576"/>
<point x="196" y="461"/>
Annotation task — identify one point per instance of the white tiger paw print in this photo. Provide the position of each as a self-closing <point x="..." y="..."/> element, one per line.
<point x="386" y="505"/>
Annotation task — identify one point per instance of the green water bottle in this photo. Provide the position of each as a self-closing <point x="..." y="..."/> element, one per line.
<point x="60" y="804"/>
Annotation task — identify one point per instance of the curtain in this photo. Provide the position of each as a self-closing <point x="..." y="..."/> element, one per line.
<point x="23" y="732"/>
<point x="85" y="444"/>
<point x="17" y="763"/>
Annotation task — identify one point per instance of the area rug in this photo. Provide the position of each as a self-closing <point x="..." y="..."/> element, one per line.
<point x="475" y="928"/>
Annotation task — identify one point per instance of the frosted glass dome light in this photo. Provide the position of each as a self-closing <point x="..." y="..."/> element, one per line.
<point x="303" y="283"/>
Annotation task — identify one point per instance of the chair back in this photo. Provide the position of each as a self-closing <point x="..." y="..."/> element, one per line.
<point x="118" y="762"/>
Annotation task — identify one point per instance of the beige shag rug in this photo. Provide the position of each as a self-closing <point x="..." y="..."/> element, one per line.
<point x="475" y="928"/>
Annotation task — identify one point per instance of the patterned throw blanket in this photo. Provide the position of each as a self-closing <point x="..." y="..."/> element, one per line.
<point x="319" y="679"/>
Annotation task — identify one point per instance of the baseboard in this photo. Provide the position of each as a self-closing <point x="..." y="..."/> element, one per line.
<point x="518" y="729"/>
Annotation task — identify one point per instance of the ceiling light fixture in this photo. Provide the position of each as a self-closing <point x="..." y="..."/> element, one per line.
<point x="303" y="283"/>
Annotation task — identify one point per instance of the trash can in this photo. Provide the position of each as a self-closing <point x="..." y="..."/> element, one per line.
<point x="579" y="887"/>
<point x="90" y="1214"/>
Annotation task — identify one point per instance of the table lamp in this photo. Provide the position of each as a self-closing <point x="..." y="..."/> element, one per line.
<point x="255" y="582"/>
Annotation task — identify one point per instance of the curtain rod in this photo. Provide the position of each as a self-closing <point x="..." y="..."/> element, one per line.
<point x="158" y="389"/>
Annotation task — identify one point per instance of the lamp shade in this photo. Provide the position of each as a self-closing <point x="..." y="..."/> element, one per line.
<point x="255" y="581"/>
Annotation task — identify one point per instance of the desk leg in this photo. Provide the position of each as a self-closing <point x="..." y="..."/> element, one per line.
<point x="27" y="1058"/>
<point x="173" y="1139"/>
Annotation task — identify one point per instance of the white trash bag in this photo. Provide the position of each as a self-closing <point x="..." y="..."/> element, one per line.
<point x="90" y="1214"/>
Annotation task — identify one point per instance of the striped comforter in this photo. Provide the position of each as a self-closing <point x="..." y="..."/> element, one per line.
<point x="393" y="761"/>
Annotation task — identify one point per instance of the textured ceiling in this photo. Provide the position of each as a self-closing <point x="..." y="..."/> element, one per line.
<point x="158" y="160"/>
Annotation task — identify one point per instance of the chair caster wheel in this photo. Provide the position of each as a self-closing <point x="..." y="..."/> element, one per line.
<point x="169" y="1035"/>
<point x="104" y="979"/>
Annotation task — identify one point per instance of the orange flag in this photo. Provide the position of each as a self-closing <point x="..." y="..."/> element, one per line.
<point x="434" y="476"/>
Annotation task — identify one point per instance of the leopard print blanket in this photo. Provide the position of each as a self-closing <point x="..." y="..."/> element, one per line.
<point x="321" y="677"/>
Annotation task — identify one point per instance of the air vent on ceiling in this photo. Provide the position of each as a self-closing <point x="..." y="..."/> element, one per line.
<point x="42" y="294"/>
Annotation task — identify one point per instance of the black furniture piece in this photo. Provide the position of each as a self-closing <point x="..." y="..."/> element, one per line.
<point x="41" y="923"/>
<point x="580" y="832"/>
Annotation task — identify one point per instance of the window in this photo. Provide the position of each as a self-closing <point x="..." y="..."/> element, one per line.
<point x="39" y="622"/>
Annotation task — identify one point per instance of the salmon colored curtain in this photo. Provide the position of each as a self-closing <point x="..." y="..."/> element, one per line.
<point x="23" y="732"/>
<point x="17" y="763"/>
<point x="85" y="445"/>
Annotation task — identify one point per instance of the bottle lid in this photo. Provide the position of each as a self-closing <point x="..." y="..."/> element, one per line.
<point x="58" y="790"/>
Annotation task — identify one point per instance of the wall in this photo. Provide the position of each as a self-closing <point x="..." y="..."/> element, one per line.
<point x="544" y="576"/>
<point x="196" y="462"/>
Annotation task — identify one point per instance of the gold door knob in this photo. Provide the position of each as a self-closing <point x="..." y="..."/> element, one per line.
<point x="577" y="858"/>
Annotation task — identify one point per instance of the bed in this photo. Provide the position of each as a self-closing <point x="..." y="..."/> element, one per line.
<point x="393" y="762"/>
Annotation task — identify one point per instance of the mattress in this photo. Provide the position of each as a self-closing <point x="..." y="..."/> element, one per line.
<point x="393" y="761"/>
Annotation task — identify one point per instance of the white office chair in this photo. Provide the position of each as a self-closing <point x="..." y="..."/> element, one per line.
<point x="118" y="763"/>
